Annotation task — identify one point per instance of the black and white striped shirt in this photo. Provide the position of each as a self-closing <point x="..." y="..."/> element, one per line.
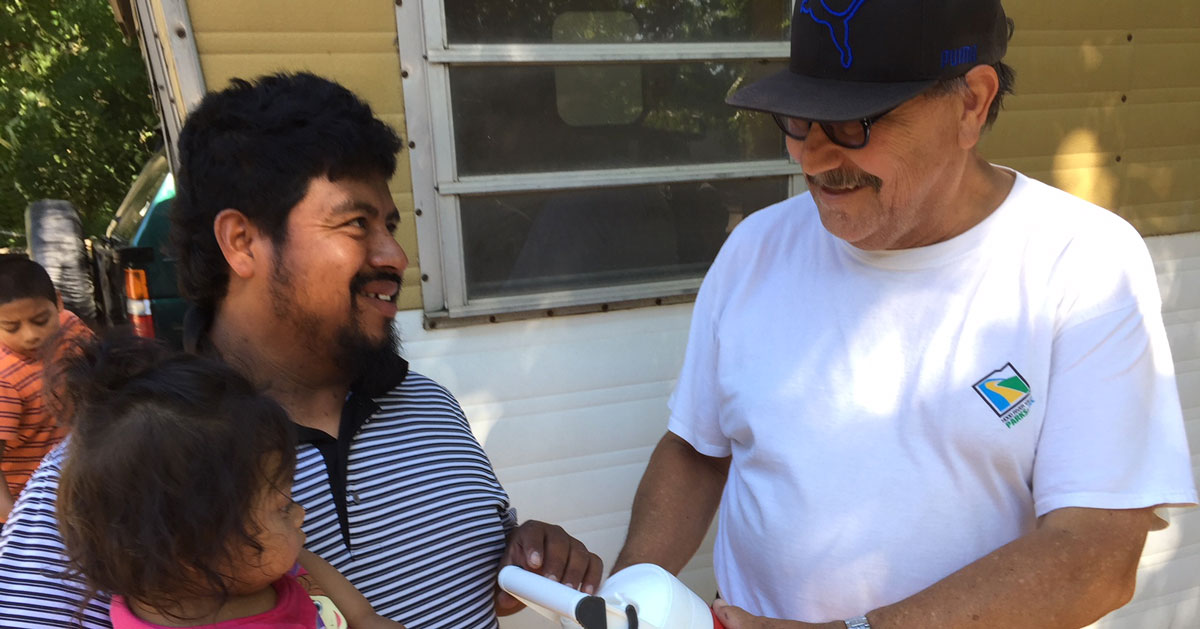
<point x="425" y="521"/>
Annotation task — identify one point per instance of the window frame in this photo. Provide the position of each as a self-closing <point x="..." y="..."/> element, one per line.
<point x="426" y="59"/>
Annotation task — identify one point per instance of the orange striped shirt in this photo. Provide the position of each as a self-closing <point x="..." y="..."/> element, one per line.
<point x="26" y="427"/>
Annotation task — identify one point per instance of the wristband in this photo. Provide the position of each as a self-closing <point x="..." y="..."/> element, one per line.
<point x="859" y="622"/>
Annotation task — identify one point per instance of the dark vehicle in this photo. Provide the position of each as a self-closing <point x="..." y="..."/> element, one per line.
<point x="134" y="277"/>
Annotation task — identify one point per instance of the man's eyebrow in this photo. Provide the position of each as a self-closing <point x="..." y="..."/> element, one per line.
<point x="353" y="206"/>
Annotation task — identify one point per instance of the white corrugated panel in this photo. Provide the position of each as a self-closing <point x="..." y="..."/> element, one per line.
<point x="570" y="408"/>
<point x="1168" y="593"/>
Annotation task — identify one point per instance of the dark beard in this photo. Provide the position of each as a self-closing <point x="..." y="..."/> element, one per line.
<point x="352" y="352"/>
<point x="356" y="353"/>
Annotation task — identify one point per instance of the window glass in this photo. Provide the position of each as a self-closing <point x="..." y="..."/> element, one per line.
<point x="525" y="243"/>
<point x="137" y="201"/>
<point x="591" y="116"/>
<point x="657" y="21"/>
<point x="619" y="104"/>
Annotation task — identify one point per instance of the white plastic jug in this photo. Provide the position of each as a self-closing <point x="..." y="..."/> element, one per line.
<point x="642" y="596"/>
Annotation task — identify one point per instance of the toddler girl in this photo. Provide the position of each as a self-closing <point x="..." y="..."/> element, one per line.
<point x="175" y="497"/>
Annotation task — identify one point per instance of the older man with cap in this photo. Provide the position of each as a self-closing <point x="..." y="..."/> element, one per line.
<point x="930" y="391"/>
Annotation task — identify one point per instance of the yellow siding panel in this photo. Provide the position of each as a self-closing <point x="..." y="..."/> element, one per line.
<point x="1167" y="65"/>
<point x="1128" y="15"/>
<point x="1053" y="132"/>
<point x="289" y="43"/>
<point x="1086" y="67"/>
<point x="1164" y="218"/>
<point x="317" y="16"/>
<point x="410" y="293"/>
<point x="1033" y="15"/>
<point x="1166" y="182"/>
<point x="1106" y="104"/>
<point x="374" y="77"/>
<point x="1161" y="124"/>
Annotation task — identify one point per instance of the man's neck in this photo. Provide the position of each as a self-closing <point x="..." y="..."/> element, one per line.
<point x="309" y="387"/>
<point x="984" y="188"/>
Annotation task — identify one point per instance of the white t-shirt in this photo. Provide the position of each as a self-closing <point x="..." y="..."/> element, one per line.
<point x="894" y="416"/>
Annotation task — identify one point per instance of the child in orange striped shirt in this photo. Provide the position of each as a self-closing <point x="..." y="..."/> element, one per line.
<point x="31" y="315"/>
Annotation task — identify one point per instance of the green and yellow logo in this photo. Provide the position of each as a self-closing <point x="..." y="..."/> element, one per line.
<point x="1006" y="393"/>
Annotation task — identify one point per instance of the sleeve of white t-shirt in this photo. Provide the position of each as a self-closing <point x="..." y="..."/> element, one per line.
<point x="696" y="402"/>
<point x="1113" y="435"/>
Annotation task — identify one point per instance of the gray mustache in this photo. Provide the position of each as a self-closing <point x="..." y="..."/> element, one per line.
<point x="844" y="179"/>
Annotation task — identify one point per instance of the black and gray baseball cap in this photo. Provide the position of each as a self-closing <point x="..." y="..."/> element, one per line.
<point x="853" y="59"/>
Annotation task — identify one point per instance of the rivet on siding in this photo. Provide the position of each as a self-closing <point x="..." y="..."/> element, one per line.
<point x="181" y="32"/>
<point x="604" y="308"/>
<point x="424" y="277"/>
<point x="412" y="145"/>
<point x="404" y="74"/>
<point x="658" y="302"/>
<point x="1124" y="98"/>
<point x="549" y="313"/>
<point x="417" y="211"/>
<point x="433" y="325"/>
<point x="1118" y="158"/>
<point x="492" y="318"/>
<point x="1129" y="37"/>
<point x="399" y="3"/>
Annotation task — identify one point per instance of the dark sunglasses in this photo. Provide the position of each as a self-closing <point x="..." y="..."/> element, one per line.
<point x="851" y="134"/>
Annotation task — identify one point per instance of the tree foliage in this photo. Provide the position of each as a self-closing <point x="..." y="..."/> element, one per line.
<point x="76" y="118"/>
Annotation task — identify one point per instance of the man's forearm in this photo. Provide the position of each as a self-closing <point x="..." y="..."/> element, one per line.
<point x="674" y="505"/>
<point x="1077" y="566"/>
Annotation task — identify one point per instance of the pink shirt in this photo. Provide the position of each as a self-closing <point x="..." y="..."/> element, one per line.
<point x="293" y="610"/>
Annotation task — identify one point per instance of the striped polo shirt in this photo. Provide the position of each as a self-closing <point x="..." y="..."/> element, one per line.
<point x="421" y="532"/>
<point x="26" y="427"/>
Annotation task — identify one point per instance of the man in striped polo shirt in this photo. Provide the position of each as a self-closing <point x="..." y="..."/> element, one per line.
<point x="283" y="228"/>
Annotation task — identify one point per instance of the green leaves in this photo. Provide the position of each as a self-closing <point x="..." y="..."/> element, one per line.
<point x="76" y="119"/>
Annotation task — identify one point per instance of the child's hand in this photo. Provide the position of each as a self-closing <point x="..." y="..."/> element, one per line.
<point x="310" y="585"/>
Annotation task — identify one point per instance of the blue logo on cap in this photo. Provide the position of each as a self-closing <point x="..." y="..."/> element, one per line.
<point x="837" y="22"/>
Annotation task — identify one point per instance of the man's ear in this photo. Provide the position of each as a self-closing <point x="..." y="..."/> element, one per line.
<point x="240" y="242"/>
<point x="982" y="86"/>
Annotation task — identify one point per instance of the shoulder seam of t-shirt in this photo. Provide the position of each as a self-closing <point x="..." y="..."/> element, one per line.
<point x="1114" y="500"/>
<point x="678" y="427"/>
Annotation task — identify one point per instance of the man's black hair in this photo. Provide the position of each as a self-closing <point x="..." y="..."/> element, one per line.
<point x="254" y="147"/>
<point x="22" y="278"/>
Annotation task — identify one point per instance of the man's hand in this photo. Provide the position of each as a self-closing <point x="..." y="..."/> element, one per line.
<point x="737" y="618"/>
<point x="548" y="550"/>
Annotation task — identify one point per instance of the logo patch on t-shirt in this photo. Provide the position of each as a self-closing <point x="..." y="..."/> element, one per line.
<point x="1006" y="393"/>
